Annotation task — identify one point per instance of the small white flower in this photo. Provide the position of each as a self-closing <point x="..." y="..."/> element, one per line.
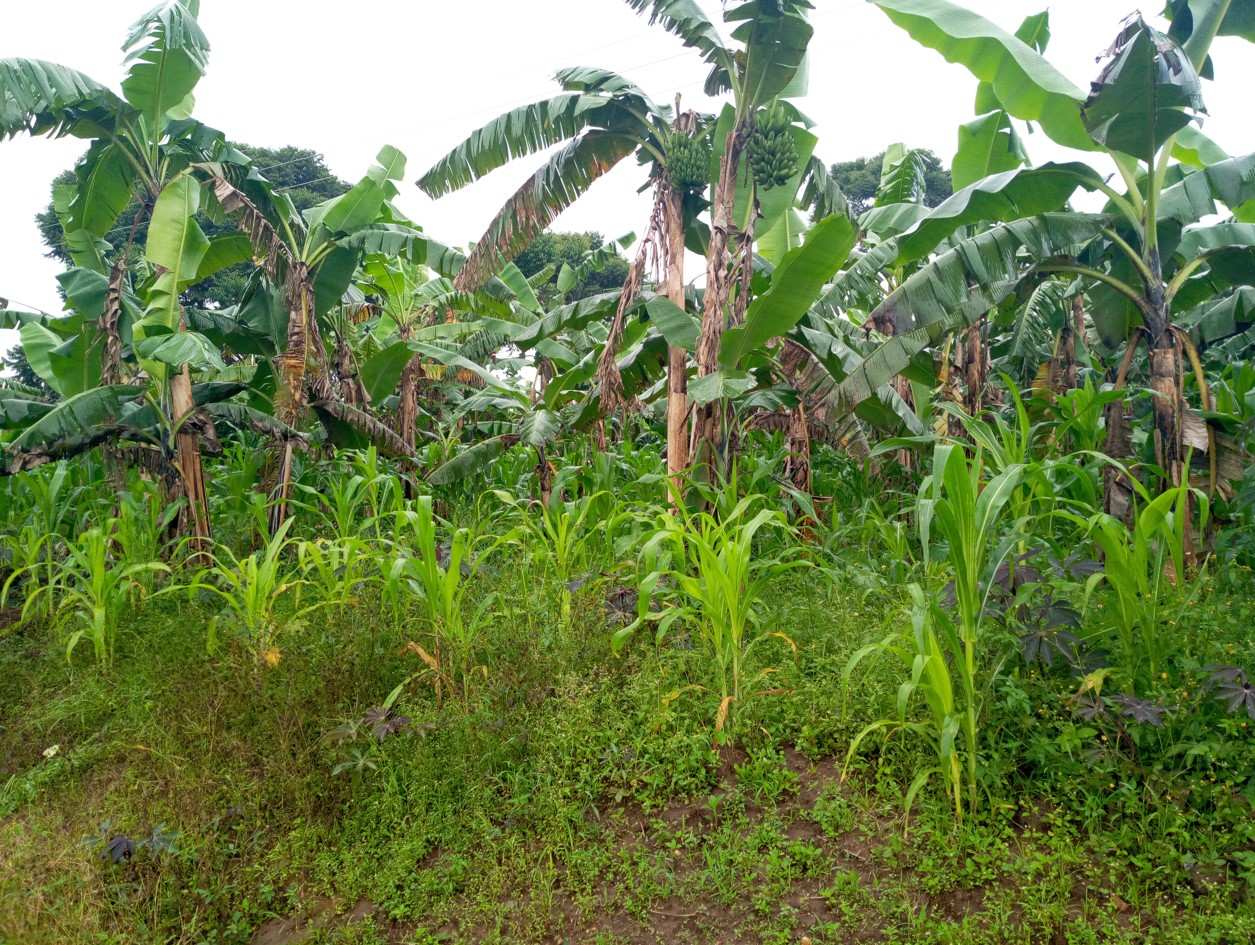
<point x="51" y="750"/>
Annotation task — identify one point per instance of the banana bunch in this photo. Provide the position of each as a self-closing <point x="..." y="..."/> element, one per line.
<point x="771" y="152"/>
<point x="688" y="162"/>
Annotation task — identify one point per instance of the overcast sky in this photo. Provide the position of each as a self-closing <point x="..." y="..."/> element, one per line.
<point x="421" y="75"/>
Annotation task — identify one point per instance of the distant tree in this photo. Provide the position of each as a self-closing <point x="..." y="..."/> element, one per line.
<point x="558" y="248"/>
<point x="15" y="363"/>
<point x="299" y="172"/>
<point x="860" y="178"/>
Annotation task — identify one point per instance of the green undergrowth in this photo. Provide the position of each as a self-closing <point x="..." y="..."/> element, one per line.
<point x="580" y="795"/>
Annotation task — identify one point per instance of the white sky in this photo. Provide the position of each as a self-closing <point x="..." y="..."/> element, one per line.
<point x="419" y="74"/>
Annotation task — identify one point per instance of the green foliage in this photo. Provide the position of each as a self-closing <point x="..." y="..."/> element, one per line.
<point x="538" y="740"/>
<point x="564" y="537"/>
<point x="1025" y="83"/>
<point x="439" y="576"/>
<point x="711" y="577"/>
<point x="300" y="173"/>
<point x="253" y="589"/>
<point x="915" y="480"/>
<point x="795" y="285"/>
<point x="598" y="120"/>
<point x="951" y="660"/>
<point x="93" y="592"/>
<point x="16" y="363"/>
<point x="349" y="505"/>
<point x="1146" y="571"/>
<point x="32" y="567"/>
<point x="569" y="250"/>
<point x="859" y="180"/>
<point x="935" y="666"/>
<point x="336" y="569"/>
<point x="1140" y="100"/>
<point x="143" y="527"/>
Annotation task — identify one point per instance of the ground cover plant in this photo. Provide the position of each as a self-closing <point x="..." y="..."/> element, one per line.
<point x="892" y="585"/>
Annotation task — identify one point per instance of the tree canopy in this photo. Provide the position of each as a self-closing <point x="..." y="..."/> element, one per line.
<point x="859" y="180"/>
<point x="557" y="249"/>
<point x="301" y="173"/>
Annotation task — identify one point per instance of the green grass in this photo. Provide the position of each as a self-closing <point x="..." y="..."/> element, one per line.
<point x="579" y="796"/>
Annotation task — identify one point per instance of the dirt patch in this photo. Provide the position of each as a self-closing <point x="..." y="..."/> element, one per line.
<point x="320" y="915"/>
<point x="10" y="618"/>
<point x="813" y="779"/>
<point x="729" y="758"/>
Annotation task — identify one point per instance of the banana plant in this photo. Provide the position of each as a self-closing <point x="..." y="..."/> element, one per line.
<point x="794" y="302"/>
<point x="405" y="306"/>
<point x="513" y="341"/>
<point x="309" y="262"/>
<point x="762" y="67"/>
<point x="415" y="305"/>
<point x="1143" y="260"/>
<point x="141" y="142"/>
<point x="161" y="415"/>
<point x="536" y="422"/>
<point x="600" y="118"/>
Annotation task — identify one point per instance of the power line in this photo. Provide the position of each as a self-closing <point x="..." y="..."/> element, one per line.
<point x="565" y="58"/>
<point x="400" y="135"/>
<point x="514" y="103"/>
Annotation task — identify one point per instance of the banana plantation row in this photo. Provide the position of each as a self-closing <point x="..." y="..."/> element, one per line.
<point x="807" y="320"/>
<point x="988" y="456"/>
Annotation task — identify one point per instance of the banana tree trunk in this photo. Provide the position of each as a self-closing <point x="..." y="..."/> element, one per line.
<point x="975" y="368"/>
<point x="195" y="514"/>
<point x="407" y="413"/>
<point x="1167" y="402"/>
<point x="798" y="368"/>
<point x="110" y="328"/>
<point x="1168" y="412"/>
<point x="709" y="419"/>
<point x="744" y="269"/>
<point x="677" y="358"/>
<point x="351" y="386"/>
<point x="1073" y="328"/>
<point x="1165" y="383"/>
<point x="290" y="396"/>
<point x="1117" y="491"/>
<point x="798" y="465"/>
<point x="1168" y="409"/>
<point x="289" y="402"/>
<point x="407" y="407"/>
<point x="902" y="387"/>
<point x="111" y="362"/>
<point x="677" y="420"/>
<point x="544" y="476"/>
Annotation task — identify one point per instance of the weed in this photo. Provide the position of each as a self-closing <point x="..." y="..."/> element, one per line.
<point x="252" y="589"/>
<point x="93" y="592"/>
<point x="715" y="581"/>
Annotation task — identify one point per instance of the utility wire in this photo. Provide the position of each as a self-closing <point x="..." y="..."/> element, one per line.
<point x="514" y="103"/>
